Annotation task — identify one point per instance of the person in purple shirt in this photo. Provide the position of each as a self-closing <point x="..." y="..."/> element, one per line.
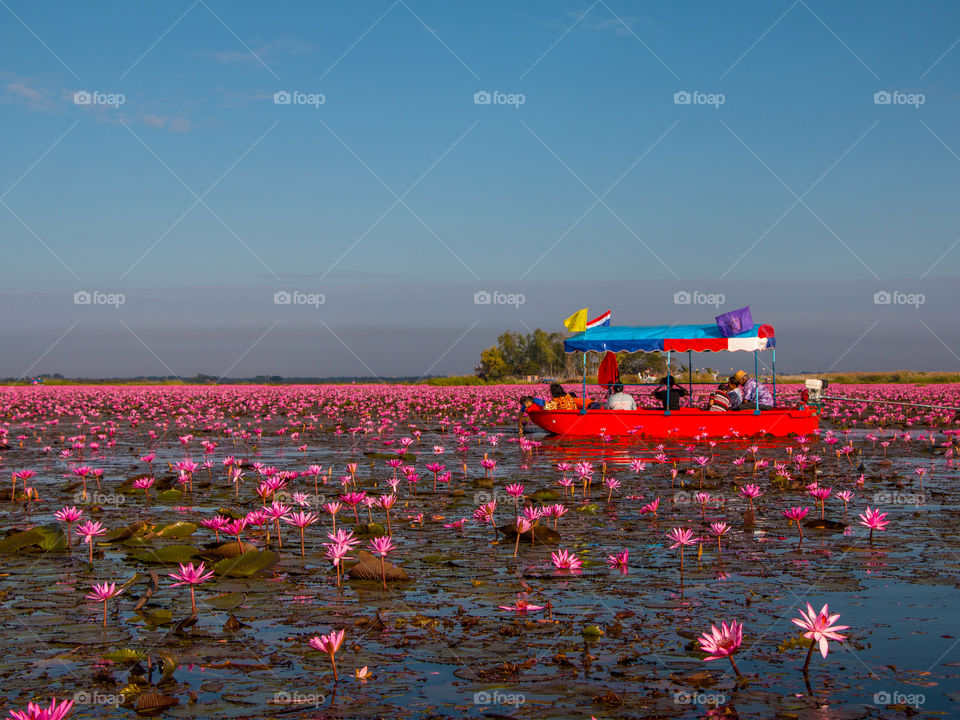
<point x="751" y="390"/>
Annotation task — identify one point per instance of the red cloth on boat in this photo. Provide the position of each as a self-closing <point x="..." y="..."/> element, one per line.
<point x="609" y="372"/>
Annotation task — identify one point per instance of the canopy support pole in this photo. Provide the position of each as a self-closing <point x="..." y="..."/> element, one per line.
<point x="583" y="407"/>
<point x="690" y="376"/>
<point x="756" y="379"/>
<point x="667" y="411"/>
<point x="774" y="352"/>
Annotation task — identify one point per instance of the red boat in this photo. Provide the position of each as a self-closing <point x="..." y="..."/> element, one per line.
<point x="801" y="419"/>
<point x="685" y="422"/>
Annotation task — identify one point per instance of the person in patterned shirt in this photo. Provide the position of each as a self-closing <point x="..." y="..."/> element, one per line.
<point x="560" y="399"/>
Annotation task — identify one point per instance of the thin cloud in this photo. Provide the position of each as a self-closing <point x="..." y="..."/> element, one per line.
<point x="263" y="51"/>
<point x="18" y="92"/>
<point x="174" y="123"/>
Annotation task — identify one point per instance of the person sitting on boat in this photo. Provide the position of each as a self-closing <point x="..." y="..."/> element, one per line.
<point x="619" y="400"/>
<point x="560" y="399"/>
<point x="735" y="393"/>
<point x="676" y="392"/>
<point x="528" y="402"/>
<point x="752" y="390"/>
<point x="720" y="398"/>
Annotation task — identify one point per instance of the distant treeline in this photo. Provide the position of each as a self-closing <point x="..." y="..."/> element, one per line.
<point x="58" y="379"/>
<point x="540" y="353"/>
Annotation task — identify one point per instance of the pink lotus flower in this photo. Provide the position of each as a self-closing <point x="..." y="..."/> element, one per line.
<point x="522" y="525"/>
<point x="235" y="527"/>
<point x="846" y="496"/>
<point x="103" y="592"/>
<point x="488" y="466"/>
<point x="681" y="537"/>
<point x="516" y="490"/>
<point x="329" y="644"/>
<point x="191" y="575"/>
<point x="353" y="499"/>
<point x="457" y="524"/>
<point x="88" y="531"/>
<point x="750" y="492"/>
<point x="875" y="520"/>
<point x="619" y="560"/>
<point x="521" y="606"/>
<point x="301" y="520"/>
<point x="216" y="523"/>
<point x="719" y="529"/>
<point x="819" y="629"/>
<point x="722" y="642"/>
<point x="56" y="711"/>
<point x="556" y="511"/>
<point x="382" y="546"/>
<point x="566" y="561"/>
<point x="68" y="515"/>
<point x="796" y="514"/>
<point x="484" y="514"/>
<point x="612" y="484"/>
<point x="821" y="494"/>
<point x="651" y="507"/>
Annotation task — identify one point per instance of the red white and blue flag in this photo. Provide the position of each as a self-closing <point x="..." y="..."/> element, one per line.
<point x="599" y="321"/>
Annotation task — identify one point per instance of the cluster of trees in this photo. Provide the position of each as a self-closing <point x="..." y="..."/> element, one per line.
<point x="541" y="353"/>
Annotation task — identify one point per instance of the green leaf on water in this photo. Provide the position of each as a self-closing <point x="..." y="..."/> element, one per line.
<point x="592" y="631"/>
<point x="125" y="655"/>
<point x="373" y="529"/>
<point x="178" y="530"/>
<point x="168" y="555"/>
<point x="18" y="541"/>
<point x="169" y="496"/>
<point x="247" y="565"/>
<point x="226" y="601"/>
<point x="169" y="668"/>
<point x="589" y="508"/>
<point x="53" y="537"/>
<point x="157" y="618"/>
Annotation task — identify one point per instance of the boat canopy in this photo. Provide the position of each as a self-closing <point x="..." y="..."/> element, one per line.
<point x="663" y="338"/>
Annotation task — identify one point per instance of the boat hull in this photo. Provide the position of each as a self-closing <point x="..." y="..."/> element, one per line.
<point x="685" y="422"/>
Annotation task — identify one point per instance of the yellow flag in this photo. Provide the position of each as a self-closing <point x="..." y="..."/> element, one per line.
<point x="577" y="322"/>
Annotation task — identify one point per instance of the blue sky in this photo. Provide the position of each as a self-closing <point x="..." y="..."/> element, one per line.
<point x="783" y="184"/>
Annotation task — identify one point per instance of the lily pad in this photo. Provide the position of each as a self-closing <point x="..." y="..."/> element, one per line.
<point x="125" y="655"/>
<point x="18" y="541"/>
<point x="178" y="530"/>
<point x="170" y="496"/>
<point x="168" y="555"/>
<point x="247" y="565"/>
<point x="226" y="601"/>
